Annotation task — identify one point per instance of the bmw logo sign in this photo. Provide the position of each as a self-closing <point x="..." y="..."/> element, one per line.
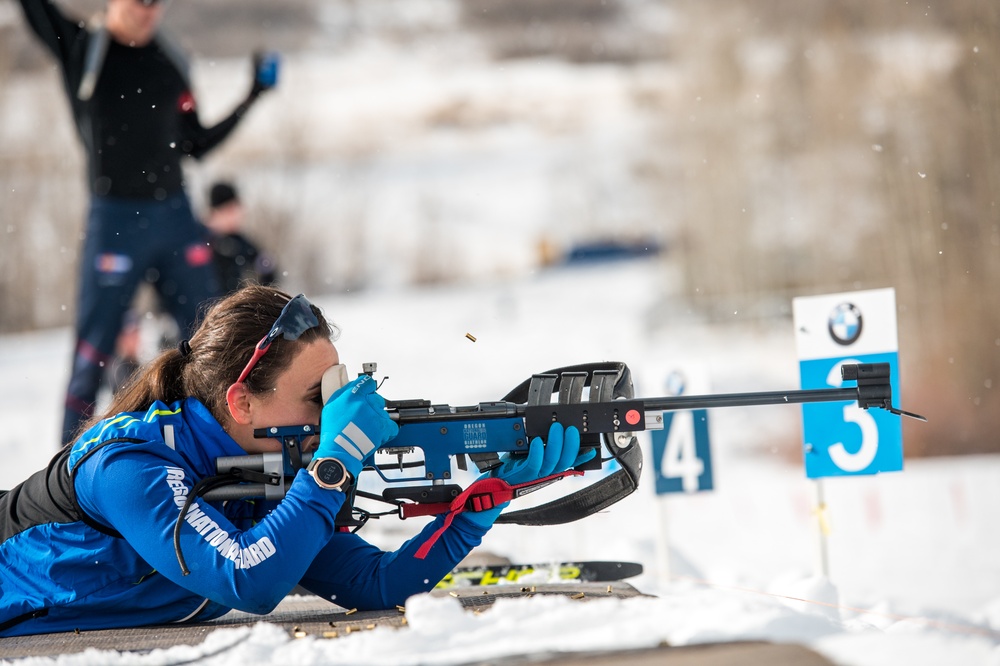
<point x="675" y="383"/>
<point x="845" y="324"/>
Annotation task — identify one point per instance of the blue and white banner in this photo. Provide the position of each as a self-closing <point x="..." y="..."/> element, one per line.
<point x="841" y="438"/>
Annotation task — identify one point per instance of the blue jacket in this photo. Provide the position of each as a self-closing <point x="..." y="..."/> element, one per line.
<point x="88" y="542"/>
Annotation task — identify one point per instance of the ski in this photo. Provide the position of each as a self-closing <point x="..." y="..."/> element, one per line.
<point x="505" y="574"/>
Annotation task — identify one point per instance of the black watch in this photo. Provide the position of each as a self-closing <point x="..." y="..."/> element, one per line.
<point x="329" y="473"/>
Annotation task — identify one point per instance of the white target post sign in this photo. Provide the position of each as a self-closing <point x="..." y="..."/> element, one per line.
<point x="682" y="451"/>
<point x="841" y="438"/>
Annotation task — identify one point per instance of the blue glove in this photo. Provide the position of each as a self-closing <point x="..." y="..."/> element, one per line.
<point x="560" y="453"/>
<point x="354" y="424"/>
<point x="265" y="72"/>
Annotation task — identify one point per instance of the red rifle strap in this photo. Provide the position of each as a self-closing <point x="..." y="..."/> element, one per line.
<point x="481" y="495"/>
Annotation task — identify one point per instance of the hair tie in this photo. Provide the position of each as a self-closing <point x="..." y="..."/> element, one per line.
<point x="184" y="347"/>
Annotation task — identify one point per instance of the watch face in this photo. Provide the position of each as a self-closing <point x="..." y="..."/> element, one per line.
<point x="329" y="472"/>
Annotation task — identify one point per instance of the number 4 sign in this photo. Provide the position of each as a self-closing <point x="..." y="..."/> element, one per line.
<point x="682" y="451"/>
<point x="840" y="438"/>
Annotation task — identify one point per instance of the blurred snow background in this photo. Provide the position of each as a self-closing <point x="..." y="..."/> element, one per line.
<point x="425" y="166"/>
<point x="777" y="149"/>
<point x="912" y="578"/>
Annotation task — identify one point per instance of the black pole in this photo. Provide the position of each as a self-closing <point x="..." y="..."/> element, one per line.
<point x="873" y="390"/>
<point x="749" y="399"/>
<point x="488" y="410"/>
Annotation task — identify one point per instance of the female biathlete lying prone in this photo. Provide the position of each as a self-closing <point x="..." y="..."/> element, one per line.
<point x="88" y="542"/>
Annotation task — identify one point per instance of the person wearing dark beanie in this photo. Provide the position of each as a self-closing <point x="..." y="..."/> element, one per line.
<point x="238" y="260"/>
<point x="221" y="194"/>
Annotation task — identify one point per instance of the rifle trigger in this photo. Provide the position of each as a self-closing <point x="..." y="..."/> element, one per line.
<point x="485" y="462"/>
<point x="462" y="462"/>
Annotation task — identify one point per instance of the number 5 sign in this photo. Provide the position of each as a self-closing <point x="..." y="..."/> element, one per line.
<point x="841" y="438"/>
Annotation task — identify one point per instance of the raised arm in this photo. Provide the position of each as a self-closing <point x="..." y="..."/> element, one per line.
<point x="198" y="139"/>
<point x="53" y="28"/>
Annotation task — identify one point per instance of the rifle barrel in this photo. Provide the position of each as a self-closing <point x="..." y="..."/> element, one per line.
<point x="663" y="404"/>
<point x="749" y="399"/>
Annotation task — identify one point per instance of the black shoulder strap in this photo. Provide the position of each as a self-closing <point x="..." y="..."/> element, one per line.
<point x="97" y="50"/>
<point x="14" y="621"/>
<point x="48" y="496"/>
<point x="93" y="63"/>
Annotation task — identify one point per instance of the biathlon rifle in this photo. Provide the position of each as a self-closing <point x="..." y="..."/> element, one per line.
<point x="597" y="398"/>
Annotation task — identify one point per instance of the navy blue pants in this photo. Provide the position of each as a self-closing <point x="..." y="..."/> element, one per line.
<point x="127" y="242"/>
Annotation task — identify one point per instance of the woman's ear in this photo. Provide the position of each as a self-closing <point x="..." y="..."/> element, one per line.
<point x="238" y="401"/>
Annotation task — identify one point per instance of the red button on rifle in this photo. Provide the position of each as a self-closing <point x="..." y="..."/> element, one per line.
<point x="632" y="416"/>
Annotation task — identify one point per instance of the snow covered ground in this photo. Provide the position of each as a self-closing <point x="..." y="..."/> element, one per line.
<point x="912" y="576"/>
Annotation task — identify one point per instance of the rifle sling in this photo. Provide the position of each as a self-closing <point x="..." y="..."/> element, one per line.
<point x="587" y="501"/>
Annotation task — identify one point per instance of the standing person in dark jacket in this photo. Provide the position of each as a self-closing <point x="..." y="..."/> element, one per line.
<point x="238" y="261"/>
<point x="114" y="534"/>
<point x="131" y="99"/>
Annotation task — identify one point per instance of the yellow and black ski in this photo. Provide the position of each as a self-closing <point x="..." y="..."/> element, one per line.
<point x="554" y="572"/>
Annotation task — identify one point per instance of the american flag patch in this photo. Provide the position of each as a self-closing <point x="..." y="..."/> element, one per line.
<point x="113" y="263"/>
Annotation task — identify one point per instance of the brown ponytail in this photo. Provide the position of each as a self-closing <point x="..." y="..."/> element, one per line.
<point x="217" y="353"/>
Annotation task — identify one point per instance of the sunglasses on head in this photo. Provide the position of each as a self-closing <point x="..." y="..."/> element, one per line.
<point x="295" y="319"/>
